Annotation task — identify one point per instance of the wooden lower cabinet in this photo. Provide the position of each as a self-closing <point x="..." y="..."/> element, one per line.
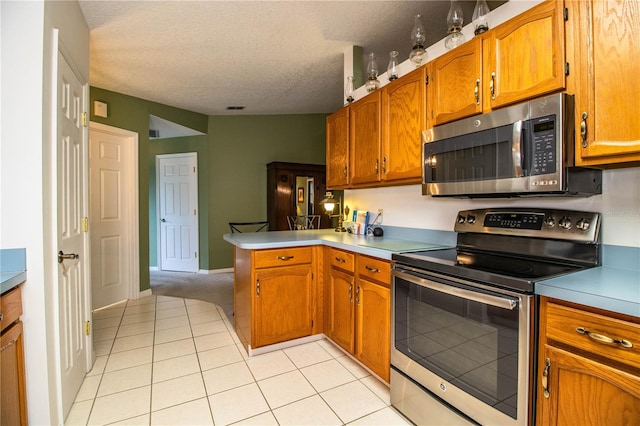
<point x="358" y="307"/>
<point x="276" y="298"/>
<point x="372" y="326"/>
<point x="341" y="313"/>
<point x="13" y="405"/>
<point x="274" y="295"/>
<point x="586" y="380"/>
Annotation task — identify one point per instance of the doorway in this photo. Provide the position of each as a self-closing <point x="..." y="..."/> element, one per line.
<point x="113" y="218"/>
<point x="177" y="207"/>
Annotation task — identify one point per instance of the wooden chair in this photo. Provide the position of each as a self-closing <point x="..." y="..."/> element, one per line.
<point x="239" y="227"/>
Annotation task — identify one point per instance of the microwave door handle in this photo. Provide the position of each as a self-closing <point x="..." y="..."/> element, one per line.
<point x="516" y="148"/>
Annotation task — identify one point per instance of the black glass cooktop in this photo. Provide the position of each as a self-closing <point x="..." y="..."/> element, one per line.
<point x="517" y="273"/>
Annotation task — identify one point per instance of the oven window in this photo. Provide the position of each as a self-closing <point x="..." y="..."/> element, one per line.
<point x="472" y="345"/>
<point x="477" y="156"/>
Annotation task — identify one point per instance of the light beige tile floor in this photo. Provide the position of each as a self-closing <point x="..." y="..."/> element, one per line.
<point x="170" y="361"/>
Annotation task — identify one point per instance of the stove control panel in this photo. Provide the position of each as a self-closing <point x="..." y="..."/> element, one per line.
<point x="537" y="223"/>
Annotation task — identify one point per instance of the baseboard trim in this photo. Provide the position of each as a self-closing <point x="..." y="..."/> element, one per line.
<point x="144" y="293"/>
<point x="215" y="271"/>
<point x="285" y="345"/>
<point x="200" y="271"/>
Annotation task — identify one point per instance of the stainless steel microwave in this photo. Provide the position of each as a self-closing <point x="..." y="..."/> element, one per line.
<point x="522" y="150"/>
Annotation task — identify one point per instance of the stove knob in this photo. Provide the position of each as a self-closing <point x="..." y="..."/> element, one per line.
<point x="565" y="223"/>
<point x="583" y="224"/>
<point x="550" y="221"/>
<point x="471" y="219"/>
<point x="461" y="219"/>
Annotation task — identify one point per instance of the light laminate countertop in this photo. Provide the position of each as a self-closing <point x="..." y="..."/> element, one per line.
<point x="610" y="288"/>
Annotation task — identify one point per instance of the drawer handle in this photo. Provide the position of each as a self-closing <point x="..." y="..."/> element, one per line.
<point x="601" y="338"/>
<point x="285" y="258"/>
<point x="371" y="268"/>
<point x="341" y="260"/>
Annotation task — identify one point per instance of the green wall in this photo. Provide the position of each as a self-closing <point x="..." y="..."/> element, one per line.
<point x="241" y="148"/>
<point x="232" y="159"/>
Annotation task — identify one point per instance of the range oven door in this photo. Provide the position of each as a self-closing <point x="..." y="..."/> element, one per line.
<point x="463" y="343"/>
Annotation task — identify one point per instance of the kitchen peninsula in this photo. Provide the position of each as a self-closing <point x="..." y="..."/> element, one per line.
<point x="297" y="286"/>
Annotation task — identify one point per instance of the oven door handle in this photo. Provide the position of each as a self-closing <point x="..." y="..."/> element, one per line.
<point x="487" y="299"/>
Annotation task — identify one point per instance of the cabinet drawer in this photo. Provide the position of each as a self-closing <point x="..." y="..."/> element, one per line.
<point x="283" y="257"/>
<point x="10" y="307"/>
<point x="563" y="323"/>
<point x="342" y="260"/>
<point x="374" y="269"/>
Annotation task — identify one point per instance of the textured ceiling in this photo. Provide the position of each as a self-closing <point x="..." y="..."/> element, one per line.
<point x="274" y="57"/>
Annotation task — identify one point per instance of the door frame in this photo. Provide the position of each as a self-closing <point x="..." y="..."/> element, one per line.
<point x="131" y="208"/>
<point x="197" y="175"/>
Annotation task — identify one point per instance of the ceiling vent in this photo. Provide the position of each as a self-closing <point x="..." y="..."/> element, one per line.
<point x="154" y="133"/>
<point x="235" y="108"/>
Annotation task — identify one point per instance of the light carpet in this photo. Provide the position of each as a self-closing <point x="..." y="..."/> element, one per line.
<point x="214" y="288"/>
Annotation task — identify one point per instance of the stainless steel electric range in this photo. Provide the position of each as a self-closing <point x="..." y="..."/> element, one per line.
<point x="464" y="319"/>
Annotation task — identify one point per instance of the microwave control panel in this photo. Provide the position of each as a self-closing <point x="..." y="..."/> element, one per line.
<point x="544" y="152"/>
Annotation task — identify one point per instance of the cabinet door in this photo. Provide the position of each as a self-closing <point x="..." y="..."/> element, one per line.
<point x="585" y="392"/>
<point x="283" y="304"/>
<point x="373" y="319"/>
<point x="340" y="308"/>
<point x="364" y="140"/>
<point x="455" y="86"/>
<point x="13" y="407"/>
<point x="525" y="56"/>
<point x="403" y="118"/>
<point x="338" y="149"/>
<point x="607" y="85"/>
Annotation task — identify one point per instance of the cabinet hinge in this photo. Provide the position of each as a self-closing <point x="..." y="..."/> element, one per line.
<point x="566" y="14"/>
<point x="84" y="119"/>
<point x="85" y="224"/>
<point x="426" y="79"/>
<point x="87" y="328"/>
<point x="194" y="212"/>
<point x="311" y="323"/>
<point x="194" y="169"/>
<point x="566" y="68"/>
<point x="195" y="254"/>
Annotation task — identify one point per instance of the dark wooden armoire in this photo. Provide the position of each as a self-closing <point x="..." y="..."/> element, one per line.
<point x="288" y="188"/>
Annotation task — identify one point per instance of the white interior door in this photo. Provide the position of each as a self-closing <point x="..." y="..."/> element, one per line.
<point x="177" y="180"/>
<point x="113" y="214"/>
<point x="72" y="242"/>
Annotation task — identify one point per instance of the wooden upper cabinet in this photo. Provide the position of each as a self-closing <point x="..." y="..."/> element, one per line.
<point x="520" y="59"/>
<point x="338" y="149"/>
<point x="364" y="140"/>
<point x="403" y="118"/>
<point x="525" y="56"/>
<point x="606" y="81"/>
<point x="455" y="87"/>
